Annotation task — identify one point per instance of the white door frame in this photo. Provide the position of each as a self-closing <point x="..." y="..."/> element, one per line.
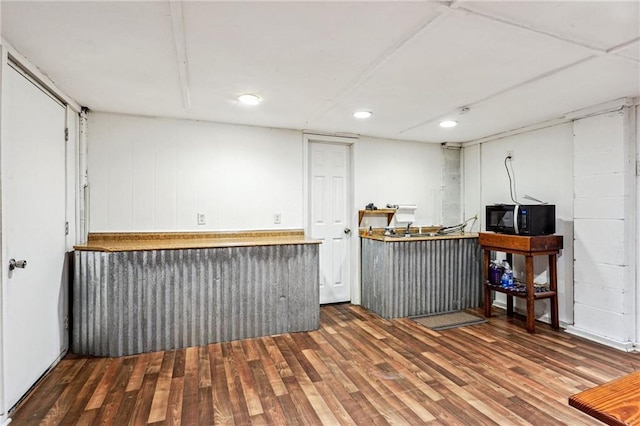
<point x="354" y="279"/>
<point x="8" y="53"/>
<point x="4" y="417"/>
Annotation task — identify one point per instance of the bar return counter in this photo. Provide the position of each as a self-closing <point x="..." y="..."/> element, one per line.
<point x="420" y="274"/>
<point x="143" y="292"/>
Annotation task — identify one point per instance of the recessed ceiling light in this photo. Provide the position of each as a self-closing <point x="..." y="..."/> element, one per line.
<point x="448" y="123"/>
<point x="249" y="99"/>
<point x="362" y="114"/>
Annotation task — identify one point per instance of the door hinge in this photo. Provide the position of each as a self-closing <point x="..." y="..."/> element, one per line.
<point x="66" y="228"/>
<point x="66" y="134"/>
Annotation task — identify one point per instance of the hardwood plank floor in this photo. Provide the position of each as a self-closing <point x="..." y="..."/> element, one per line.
<point x="356" y="369"/>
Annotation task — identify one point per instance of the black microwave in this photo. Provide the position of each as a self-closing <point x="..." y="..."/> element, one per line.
<point x="521" y="219"/>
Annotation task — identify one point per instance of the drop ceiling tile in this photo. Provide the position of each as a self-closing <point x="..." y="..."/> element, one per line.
<point x="314" y="63"/>
<point x="461" y="60"/>
<point x="599" y="80"/>
<point x="110" y="56"/>
<point x="601" y="24"/>
<point x="299" y="56"/>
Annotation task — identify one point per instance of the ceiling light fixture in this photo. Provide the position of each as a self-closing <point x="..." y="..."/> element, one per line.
<point x="362" y="114"/>
<point x="249" y="99"/>
<point x="448" y="123"/>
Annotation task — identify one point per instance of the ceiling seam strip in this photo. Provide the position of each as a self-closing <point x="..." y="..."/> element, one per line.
<point x="622" y="46"/>
<point x="177" y="25"/>
<point x="500" y="92"/>
<point x="595" y="50"/>
<point x="368" y="71"/>
<point x="617" y="51"/>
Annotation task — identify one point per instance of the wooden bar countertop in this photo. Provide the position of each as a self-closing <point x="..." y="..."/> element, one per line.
<point x="426" y="235"/>
<point x="138" y="241"/>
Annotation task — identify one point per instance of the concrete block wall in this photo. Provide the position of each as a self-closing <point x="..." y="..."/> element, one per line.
<point x="451" y="187"/>
<point x="604" y="227"/>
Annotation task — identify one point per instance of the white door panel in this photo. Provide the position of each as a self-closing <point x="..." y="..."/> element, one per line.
<point x="330" y="217"/>
<point x="33" y="223"/>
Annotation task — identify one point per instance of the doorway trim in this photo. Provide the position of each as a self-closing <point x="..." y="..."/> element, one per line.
<point x="350" y="141"/>
<point x="11" y="58"/>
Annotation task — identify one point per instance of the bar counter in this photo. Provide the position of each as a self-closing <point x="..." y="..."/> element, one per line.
<point x="145" y="292"/>
<point x="126" y="241"/>
<point x="420" y="275"/>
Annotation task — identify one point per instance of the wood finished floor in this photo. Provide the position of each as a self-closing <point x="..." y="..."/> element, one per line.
<point x="356" y="369"/>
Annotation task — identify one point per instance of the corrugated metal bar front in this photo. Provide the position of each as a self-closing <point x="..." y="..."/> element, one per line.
<point x="410" y="278"/>
<point x="141" y="301"/>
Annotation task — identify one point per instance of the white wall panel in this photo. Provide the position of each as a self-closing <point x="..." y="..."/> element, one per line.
<point x="598" y="273"/>
<point x="610" y="253"/>
<point x="599" y="294"/>
<point x="472" y="185"/>
<point x="601" y="322"/>
<point x="144" y="174"/>
<point x="612" y="208"/>
<point x="151" y="174"/>
<point x="165" y="191"/>
<point x="400" y="172"/>
<point x="601" y="229"/>
<point x="120" y="160"/>
<point x="606" y="185"/>
<point x="605" y="229"/>
<point x="542" y="167"/>
<point x="636" y="272"/>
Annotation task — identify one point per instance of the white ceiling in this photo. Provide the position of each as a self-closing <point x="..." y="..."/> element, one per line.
<point x="513" y="63"/>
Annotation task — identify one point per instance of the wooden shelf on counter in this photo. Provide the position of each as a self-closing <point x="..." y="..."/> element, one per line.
<point x="380" y="212"/>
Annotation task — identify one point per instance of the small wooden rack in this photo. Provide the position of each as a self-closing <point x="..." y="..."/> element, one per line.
<point x="379" y="212"/>
<point x="528" y="247"/>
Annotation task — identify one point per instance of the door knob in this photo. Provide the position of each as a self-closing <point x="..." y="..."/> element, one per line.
<point x="13" y="264"/>
<point x="347" y="231"/>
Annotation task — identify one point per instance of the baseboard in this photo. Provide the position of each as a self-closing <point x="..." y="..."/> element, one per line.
<point x="501" y="305"/>
<point x="545" y="318"/>
<point x="627" y="346"/>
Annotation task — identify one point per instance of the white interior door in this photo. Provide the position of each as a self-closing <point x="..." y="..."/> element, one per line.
<point x="329" y="207"/>
<point x="33" y="229"/>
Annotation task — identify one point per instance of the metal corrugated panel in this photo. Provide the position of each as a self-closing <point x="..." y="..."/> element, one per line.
<point x="141" y="301"/>
<point x="409" y="278"/>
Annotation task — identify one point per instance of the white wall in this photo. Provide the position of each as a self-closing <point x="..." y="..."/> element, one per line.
<point x="400" y="172"/>
<point x="452" y="186"/>
<point x="151" y="174"/>
<point x="604" y="177"/>
<point x="637" y="123"/>
<point x="542" y="168"/>
<point x="472" y="186"/>
<point x="587" y="169"/>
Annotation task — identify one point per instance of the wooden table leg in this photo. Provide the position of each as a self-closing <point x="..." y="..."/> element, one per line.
<point x="553" y="286"/>
<point x="509" y="305"/>
<point x="487" y="291"/>
<point x="531" y="307"/>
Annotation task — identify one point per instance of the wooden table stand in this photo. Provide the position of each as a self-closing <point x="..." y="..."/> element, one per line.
<point x="544" y="245"/>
